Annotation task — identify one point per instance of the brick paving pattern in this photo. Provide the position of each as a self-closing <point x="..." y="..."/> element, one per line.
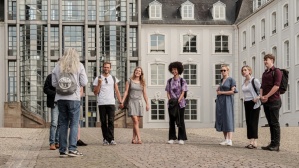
<point x="21" y="147"/>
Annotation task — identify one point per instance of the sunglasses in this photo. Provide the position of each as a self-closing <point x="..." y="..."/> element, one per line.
<point x="223" y="70"/>
<point x="106" y="80"/>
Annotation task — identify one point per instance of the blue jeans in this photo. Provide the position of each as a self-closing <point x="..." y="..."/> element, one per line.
<point x="54" y="128"/>
<point x="69" y="113"/>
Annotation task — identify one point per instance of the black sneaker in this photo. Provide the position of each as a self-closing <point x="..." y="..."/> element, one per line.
<point x="75" y="153"/>
<point x="81" y="143"/>
<point x="63" y="154"/>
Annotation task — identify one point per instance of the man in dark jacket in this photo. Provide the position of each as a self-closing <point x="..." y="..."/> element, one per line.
<point x="50" y="91"/>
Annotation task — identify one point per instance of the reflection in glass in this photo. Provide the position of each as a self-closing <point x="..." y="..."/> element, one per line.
<point x="189" y="42"/>
<point x="221" y="44"/>
<point x="12" y="41"/>
<point x="112" y="10"/>
<point x="73" y="38"/>
<point x="73" y="10"/>
<point x="157" y="43"/>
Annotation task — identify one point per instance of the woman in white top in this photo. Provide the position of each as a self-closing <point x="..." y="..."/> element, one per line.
<point x="252" y="105"/>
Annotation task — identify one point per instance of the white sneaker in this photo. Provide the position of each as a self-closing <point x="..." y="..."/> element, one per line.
<point x="170" y="141"/>
<point x="229" y="143"/>
<point x="181" y="142"/>
<point x="223" y="143"/>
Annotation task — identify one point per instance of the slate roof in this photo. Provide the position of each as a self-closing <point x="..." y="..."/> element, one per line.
<point x="202" y="12"/>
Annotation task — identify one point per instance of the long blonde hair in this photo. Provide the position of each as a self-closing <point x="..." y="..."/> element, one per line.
<point x="141" y="78"/>
<point x="70" y="61"/>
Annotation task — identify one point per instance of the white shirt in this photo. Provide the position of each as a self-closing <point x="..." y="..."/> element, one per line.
<point x="106" y="95"/>
<point x="253" y="93"/>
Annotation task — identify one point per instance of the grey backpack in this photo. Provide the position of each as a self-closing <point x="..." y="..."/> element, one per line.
<point x="67" y="84"/>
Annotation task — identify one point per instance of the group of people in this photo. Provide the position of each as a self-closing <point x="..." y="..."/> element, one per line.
<point x="255" y="94"/>
<point x="69" y="76"/>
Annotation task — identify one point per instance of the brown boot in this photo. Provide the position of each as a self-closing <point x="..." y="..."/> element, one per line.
<point x="57" y="145"/>
<point x="52" y="147"/>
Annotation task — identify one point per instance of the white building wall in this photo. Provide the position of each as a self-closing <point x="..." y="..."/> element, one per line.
<point x="282" y="34"/>
<point x="2" y="72"/>
<point x="205" y="59"/>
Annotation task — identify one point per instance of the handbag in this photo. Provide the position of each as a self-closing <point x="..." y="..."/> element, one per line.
<point x="126" y="102"/>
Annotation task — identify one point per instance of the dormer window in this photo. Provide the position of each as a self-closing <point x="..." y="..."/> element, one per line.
<point x="187" y="10"/>
<point x="155" y="10"/>
<point x="219" y="11"/>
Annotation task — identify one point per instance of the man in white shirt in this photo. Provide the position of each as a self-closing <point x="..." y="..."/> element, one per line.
<point x="105" y="86"/>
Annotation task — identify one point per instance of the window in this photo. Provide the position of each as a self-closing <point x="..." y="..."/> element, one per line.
<point x="190" y="74"/>
<point x="12" y="41"/>
<point x="287" y="53"/>
<point x="157" y="109"/>
<point x="73" y="38"/>
<point x="253" y="35"/>
<point x="189" y="44"/>
<point x="54" y="43"/>
<point x="73" y="10"/>
<point x="219" y="11"/>
<point x="244" y="40"/>
<point x="297" y="95"/>
<point x="133" y="11"/>
<point x="191" y="109"/>
<point x="262" y="65"/>
<point x="297" y="10"/>
<point x="187" y="10"/>
<point x="218" y="73"/>
<point x="221" y="44"/>
<point x="91" y="11"/>
<point x="155" y="10"/>
<point x="253" y="66"/>
<point x="157" y="43"/>
<point x="12" y="9"/>
<point x="91" y="74"/>
<point x="133" y="65"/>
<point x="288" y="99"/>
<point x="256" y="4"/>
<point x="297" y="48"/>
<point x="273" y="25"/>
<point x="54" y="9"/>
<point x="92" y="42"/>
<point x="133" y="42"/>
<point x="244" y="63"/>
<point x="33" y="10"/>
<point x="12" y="81"/>
<point x="285" y="15"/>
<point x="263" y="30"/>
<point x="157" y="74"/>
<point x="112" y="10"/>
<point x="274" y="52"/>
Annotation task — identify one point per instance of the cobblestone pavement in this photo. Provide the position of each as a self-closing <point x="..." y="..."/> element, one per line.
<point x="29" y="148"/>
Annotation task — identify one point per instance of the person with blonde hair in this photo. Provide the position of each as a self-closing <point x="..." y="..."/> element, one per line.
<point x="135" y="89"/>
<point x="252" y="103"/>
<point x="68" y="76"/>
<point x="225" y="106"/>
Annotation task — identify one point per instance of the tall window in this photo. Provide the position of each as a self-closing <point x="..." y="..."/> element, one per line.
<point x="155" y="11"/>
<point x="133" y="65"/>
<point x="157" y="43"/>
<point x="12" y="41"/>
<point x="253" y="35"/>
<point x="253" y="66"/>
<point x="287" y="53"/>
<point x="112" y="10"/>
<point x="285" y="15"/>
<point x="91" y="73"/>
<point x="133" y="42"/>
<point x="157" y="109"/>
<point x="273" y="25"/>
<point x="190" y="74"/>
<point x="263" y="29"/>
<point x="191" y="110"/>
<point x="12" y="81"/>
<point x="244" y="40"/>
<point x="157" y="74"/>
<point x="297" y="10"/>
<point x="92" y="12"/>
<point x="54" y="9"/>
<point x="221" y="44"/>
<point x="274" y="52"/>
<point x="12" y="9"/>
<point x="54" y="43"/>
<point x="297" y="96"/>
<point x="297" y="48"/>
<point x="262" y="65"/>
<point x="288" y="99"/>
<point x="92" y="41"/>
<point x="189" y="44"/>
<point x="218" y="73"/>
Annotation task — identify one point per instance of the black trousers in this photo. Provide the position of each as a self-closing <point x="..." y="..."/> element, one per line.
<point x="252" y="119"/>
<point x="107" y="111"/>
<point x="182" y="130"/>
<point x="272" y="114"/>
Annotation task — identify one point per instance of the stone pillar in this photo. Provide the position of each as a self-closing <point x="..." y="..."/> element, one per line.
<point x="12" y="114"/>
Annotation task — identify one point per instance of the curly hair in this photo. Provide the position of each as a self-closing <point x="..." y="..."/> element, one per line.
<point x="178" y="65"/>
<point x="70" y="61"/>
<point x="141" y="78"/>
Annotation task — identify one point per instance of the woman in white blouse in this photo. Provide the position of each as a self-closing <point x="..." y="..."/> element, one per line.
<point x="251" y="89"/>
